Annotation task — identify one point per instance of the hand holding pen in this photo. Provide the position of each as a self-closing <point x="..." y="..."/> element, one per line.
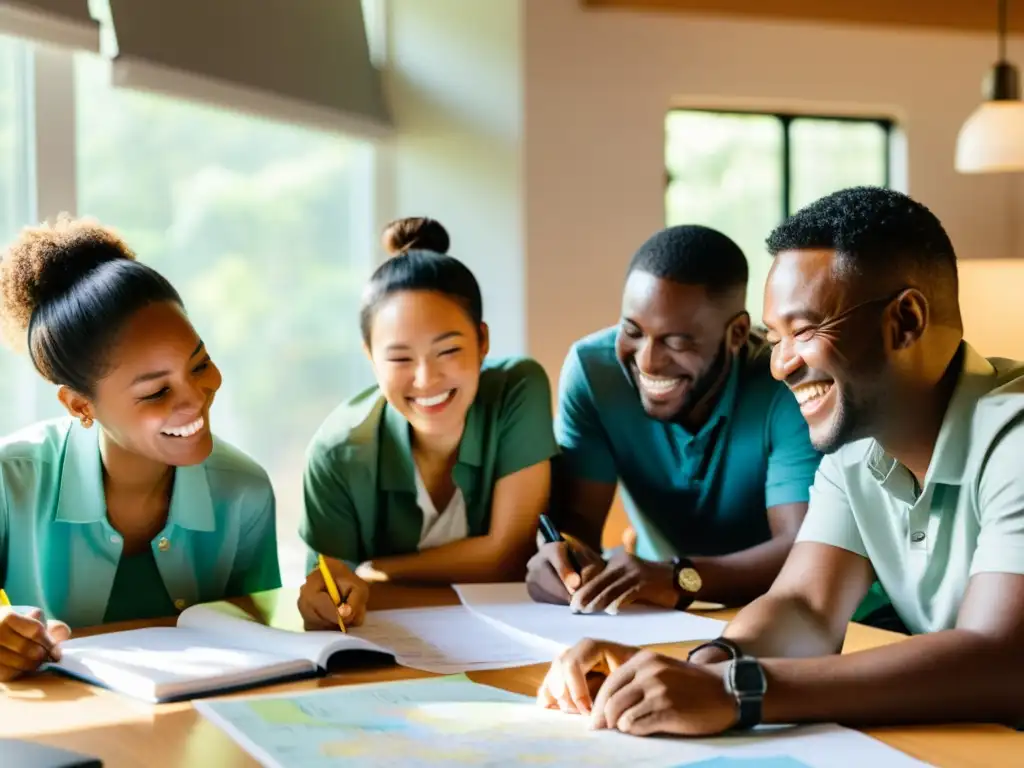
<point x="333" y="597"/>
<point x="26" y="640"/>
<point x="560" y="567"/>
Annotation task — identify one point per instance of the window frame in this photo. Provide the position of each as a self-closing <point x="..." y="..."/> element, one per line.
<point x="786" y="118"/>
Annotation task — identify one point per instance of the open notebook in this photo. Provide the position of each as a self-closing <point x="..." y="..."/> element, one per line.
<point x="219" y="647"/>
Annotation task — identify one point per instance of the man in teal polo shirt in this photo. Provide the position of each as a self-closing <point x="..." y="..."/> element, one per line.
<point x="921" y="487"/>
<point x="676" y="404"/>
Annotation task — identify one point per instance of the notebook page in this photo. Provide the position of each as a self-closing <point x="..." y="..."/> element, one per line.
<point x="509" y="605"/>
<point x="230" y="621"/>
<point x="447" y="639"/>
<point x="159" y="662"/>
<point x="438" y="639"/>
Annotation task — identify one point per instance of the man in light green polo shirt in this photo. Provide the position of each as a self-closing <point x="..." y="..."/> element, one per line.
<point x="677" y="407"/>
<point x="921" y="486"/>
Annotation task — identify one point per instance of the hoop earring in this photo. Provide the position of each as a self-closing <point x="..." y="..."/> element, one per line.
<point x="86" y="421"/>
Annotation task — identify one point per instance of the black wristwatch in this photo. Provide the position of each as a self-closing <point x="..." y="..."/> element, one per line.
<point x="724" y="643"/>
<point x="686" y="580"/>
<point x="745" y="680"/>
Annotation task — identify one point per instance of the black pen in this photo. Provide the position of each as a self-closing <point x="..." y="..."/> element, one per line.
<point x="551" y="535"/>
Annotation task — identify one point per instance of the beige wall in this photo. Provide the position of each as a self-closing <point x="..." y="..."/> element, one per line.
<point x="596" y="91"/>
<point x="455" y="86"/>
<point x="535" y="131"/>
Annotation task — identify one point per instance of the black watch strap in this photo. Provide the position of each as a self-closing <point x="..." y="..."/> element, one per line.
<point x="746" y="681"/>
<point x="750" y="713"/>
<point x="723" y="643"/>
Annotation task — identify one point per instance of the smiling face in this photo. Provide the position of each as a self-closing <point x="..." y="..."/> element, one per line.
<point x="829" y="347"/>
<point x="155" y="398"/>
<point x="426" y="354"/>
<point x="673" y="341"/>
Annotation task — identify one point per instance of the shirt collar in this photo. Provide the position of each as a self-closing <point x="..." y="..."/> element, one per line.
<point x="727" y="400"/>
<point x="396" y="469"/>
<point x="949" y="459"/>
<point x="80" y="498"/>
<point x="977" y="377"/>
<point x="723" y="407"/>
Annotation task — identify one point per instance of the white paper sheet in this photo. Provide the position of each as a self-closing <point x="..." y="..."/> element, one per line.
<point x="447" y="639"/>
<point x="442" y="639"/>
<point x="510" y="606"/>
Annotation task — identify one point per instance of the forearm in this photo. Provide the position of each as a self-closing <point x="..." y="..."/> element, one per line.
<point x="739" y="577"/>
<point x="779" y="627"/>
<point x="476" y="559"/>
<point x="955" y="675"/>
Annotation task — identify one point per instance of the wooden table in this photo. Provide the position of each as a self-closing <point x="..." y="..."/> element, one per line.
<point x="124" y="732"/>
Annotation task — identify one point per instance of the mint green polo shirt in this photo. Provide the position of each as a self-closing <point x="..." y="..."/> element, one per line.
<point x="703" y="493"/>
<point x="968" y="517"/>
<point x="360" y="482"/>
<point x="59" y="552"/>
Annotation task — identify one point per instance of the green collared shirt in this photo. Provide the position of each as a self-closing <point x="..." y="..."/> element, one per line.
<point x="925" y="544"/>
<point x="703" y="493"/>
<point x="360" y="481"/>
<point x="59" y="552"/>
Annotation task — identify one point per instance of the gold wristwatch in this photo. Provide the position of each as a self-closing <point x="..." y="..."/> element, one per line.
<point x="686" y="580"/>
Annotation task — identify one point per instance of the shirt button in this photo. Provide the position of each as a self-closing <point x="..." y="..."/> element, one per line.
<point x="115" y="539"/>
<point x="180" y="604"/>
<point x="163" y="545"/>
<point x="917" y="537"/>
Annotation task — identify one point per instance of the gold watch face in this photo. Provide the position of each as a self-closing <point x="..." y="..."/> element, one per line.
<point x="689" y="579"/>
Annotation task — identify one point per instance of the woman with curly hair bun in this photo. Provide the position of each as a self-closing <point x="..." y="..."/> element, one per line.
<point x="129" y="508"/>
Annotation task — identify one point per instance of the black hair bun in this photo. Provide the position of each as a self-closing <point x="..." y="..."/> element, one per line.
<point x="416" y="232"/>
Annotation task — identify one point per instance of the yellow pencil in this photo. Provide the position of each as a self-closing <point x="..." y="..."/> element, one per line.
<point x="332" y="588"/>
<point x="4" y="601"/>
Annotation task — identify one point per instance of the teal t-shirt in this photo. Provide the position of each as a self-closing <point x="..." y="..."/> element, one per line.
<point x="686" y="494"/>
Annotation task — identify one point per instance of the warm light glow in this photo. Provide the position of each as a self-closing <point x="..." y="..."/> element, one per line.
<point x="990" y="304"/>
<point x="992" y="139"/>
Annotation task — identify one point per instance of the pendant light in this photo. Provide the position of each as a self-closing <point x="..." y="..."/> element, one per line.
<point x="992" y="138"/>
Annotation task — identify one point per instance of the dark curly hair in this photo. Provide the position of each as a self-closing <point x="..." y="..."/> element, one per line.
<point x="66" y="291"/>
<point x="882" y="236"/>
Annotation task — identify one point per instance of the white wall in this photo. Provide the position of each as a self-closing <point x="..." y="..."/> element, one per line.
<point x="598" y="85"/>
<point x="456" y="89"/>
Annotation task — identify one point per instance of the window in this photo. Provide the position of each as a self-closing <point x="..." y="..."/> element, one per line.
<point x="17" y="379"/>
<point x="266" y="231"/>
<point x="742" y="173"/>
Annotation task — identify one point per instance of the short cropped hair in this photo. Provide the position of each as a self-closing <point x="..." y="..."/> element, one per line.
<point x="879" y="234"/>
<point x="693" y="255"/>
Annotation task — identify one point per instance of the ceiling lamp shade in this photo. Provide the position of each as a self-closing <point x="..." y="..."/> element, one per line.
<point x="992" y="138"/>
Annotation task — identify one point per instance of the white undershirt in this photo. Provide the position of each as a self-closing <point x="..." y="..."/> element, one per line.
<point x="440" y="528"/>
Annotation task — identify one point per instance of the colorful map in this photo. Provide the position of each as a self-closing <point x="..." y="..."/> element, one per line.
<point x="439" y="721"/>
<point x="456" y="722"/>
